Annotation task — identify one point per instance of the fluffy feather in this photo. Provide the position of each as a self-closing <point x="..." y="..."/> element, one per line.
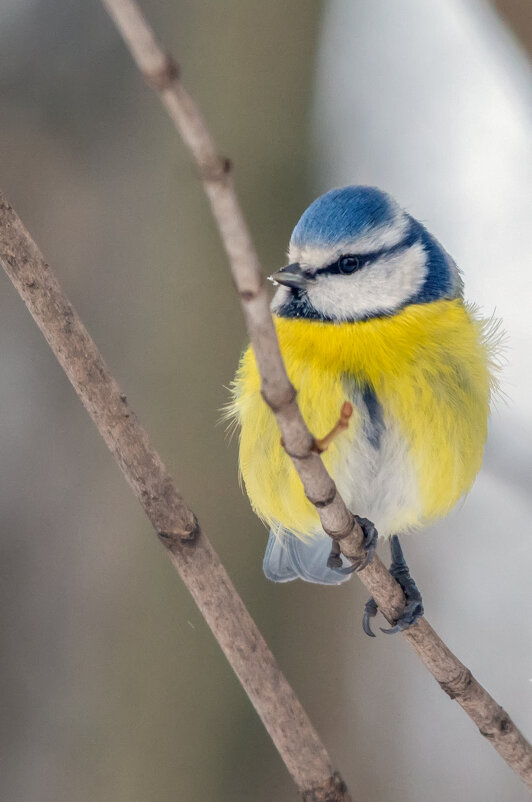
<point x="429" y="367"/>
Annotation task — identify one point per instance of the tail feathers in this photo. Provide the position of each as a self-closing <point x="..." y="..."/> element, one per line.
<point x="287" y="558"/>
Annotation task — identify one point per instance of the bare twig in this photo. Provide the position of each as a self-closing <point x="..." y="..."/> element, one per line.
<point x="321" y="444"/>
<point x="455" y="679"/>
<point x="188" y="548"/>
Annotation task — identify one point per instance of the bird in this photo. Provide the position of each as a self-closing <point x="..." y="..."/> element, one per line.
<point x="370" y="309"/>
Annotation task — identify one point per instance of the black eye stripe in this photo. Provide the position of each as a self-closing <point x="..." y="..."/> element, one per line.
<point x="349" y="263"/>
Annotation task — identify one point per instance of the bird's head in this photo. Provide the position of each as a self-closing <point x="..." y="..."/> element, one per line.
<point x="355" y="254"/>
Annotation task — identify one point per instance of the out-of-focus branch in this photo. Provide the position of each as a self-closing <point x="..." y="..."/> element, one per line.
<point x="516" y="13"/>
<point x="188" y="548"/>
<point x="162" y="73"/>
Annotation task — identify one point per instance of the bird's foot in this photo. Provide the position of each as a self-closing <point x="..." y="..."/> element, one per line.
<point x="414" y="604"/>
<point x="369" y="543"/>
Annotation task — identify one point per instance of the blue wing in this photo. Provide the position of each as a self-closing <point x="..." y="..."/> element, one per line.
<point x="287" y="558"/>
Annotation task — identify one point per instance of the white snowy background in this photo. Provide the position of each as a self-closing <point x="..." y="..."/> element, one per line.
<point x="433" y="102"/>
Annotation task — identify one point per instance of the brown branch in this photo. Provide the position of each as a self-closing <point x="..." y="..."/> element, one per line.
<point x="454" y="678"/>
<point x="188" y="548"/>
<point x="321" y="444"/>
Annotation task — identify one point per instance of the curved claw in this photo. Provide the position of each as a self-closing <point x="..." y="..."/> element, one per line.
<point x="391" y="630"/>
<point x="411" y="614"/>
<point x="366" y="627"/>
<point x="355" y="566"/>
<point x="369" y="557"/>
<point x="346" y="569"/>
<point x="370" y="611"/>
<point x="413" y="609"/>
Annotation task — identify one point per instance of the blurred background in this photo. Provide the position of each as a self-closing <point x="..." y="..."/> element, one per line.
<point x="112" y="689"/>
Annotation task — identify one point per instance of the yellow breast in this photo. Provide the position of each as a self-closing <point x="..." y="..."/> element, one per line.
<point x="429" y="366"/>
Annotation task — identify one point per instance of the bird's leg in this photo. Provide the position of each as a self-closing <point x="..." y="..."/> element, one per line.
<point x="414" y="604"/>
<point x="369" y="543"/>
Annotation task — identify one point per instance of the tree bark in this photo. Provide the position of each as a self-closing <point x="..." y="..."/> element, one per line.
<point x="162" y="74"/>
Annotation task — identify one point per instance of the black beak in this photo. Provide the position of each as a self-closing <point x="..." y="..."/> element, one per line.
<point x="290" y="276"/>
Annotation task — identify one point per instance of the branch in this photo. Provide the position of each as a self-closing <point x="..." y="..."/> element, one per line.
<point x="162" y="73"/>
<point x="188" y="548"/>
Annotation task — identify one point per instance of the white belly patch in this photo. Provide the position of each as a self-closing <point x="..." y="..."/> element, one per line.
<point x="375" y="473"/>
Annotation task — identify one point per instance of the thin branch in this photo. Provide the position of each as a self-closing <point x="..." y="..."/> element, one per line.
<point x="321" y="444"/>
<point x="188" y="548"/>
<point x="161" y="72"/>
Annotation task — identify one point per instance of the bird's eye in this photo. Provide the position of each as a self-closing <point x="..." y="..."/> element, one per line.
<point x="348" y="264"/>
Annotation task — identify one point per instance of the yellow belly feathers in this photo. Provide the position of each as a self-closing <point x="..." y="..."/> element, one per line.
<point x="429" y="367"/>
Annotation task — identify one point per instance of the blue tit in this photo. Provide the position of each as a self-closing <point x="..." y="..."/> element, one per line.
<point x="370" y="309"/>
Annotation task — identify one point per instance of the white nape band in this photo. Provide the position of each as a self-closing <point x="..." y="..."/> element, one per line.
<point x="379" y="238"/>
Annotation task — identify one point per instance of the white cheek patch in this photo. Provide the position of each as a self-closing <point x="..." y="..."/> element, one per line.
<point x="382" y="286"/>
